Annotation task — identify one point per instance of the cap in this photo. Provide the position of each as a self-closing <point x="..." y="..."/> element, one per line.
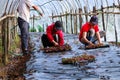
<point x="58" y="25"/>
<point x="94" y="20"/>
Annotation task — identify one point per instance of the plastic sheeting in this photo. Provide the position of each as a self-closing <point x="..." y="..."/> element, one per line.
<point x="8" y="7"/>
<point x="56" y="6"/>
<point x="60" y="6"/>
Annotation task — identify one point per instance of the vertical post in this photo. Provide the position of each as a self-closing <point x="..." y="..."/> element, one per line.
<point x="119" y="4"/>
<point x="43" y="27"/>
<point x="103" y="21"/>
<point x="3" y="31"/>
<point x="52" y="17"/>
<point x="94" y="10"/>
<point x="62" y="22"/>
<point x="14" y="25"/>
<point x="4" y="40"/>
<point x="75" y="22"/>
<point x="71" y="19"/>
<point x="33" y="23"/>
<point x="61" y="17"/>
<point x="66" y="22"/>
<point x="80" y="18"/>
<point x="7" y="40"/>
<point x="10" y="24"/>
<point x="86" y="16"/>
<point x="115" y="29"/>
<point x="1" y="51"/>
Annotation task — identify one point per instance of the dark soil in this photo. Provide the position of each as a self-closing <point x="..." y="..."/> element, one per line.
<point x="15" y="69"/>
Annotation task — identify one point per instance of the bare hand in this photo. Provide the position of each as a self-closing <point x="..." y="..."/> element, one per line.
<point x="41" y="14"/>
<point x="99" y="44"/>
<point x="91" y="45"/>
<point x="56" y="44"/>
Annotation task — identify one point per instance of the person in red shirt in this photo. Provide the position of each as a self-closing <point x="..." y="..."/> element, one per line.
<point x="54" y="35"/>
<point x="89" y="33"/>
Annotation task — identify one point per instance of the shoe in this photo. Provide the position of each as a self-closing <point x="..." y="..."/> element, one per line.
<point x="25" y="52"/>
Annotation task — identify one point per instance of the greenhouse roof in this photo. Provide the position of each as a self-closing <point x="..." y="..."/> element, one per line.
<point x="56" y="6"/>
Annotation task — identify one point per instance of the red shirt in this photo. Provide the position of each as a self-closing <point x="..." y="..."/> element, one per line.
<point x="50" y="32"/>
<point x="85" y="28"/>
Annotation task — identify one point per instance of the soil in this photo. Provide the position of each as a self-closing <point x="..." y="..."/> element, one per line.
<point x="15" y="69"/>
